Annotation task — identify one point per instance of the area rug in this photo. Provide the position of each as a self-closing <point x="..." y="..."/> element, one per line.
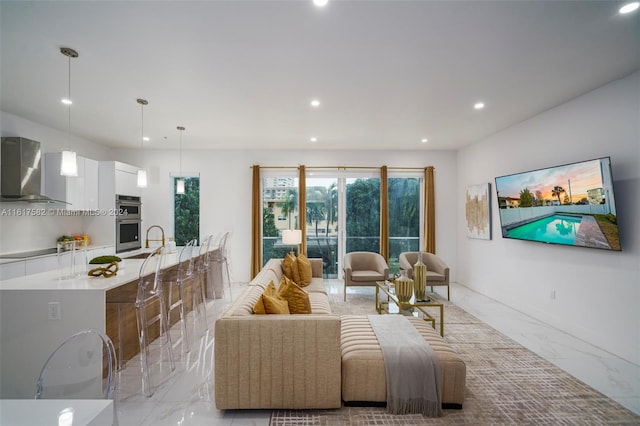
<point x="506" y="384"/>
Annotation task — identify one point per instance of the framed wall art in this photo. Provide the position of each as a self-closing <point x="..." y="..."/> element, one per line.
<point x="478" y="211"/>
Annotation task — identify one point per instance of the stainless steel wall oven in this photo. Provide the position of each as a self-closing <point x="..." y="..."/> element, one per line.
<point x="128" y="223"/>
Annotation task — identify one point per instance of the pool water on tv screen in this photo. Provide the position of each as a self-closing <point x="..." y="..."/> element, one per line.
<point x="572" y="204"/>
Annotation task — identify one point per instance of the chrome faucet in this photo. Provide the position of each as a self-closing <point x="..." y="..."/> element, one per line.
<point x="147" y="236"/>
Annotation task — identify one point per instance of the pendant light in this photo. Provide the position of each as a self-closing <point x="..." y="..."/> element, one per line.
<point x="180" y="181"/>
<point x="68" y="163"/>
<point x="142" y="173"/>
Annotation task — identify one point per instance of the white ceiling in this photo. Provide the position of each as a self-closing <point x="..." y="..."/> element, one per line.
<point x="241" y="74"/>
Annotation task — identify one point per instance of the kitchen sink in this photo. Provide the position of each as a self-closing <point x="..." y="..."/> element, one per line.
<point x="137" y="256"/>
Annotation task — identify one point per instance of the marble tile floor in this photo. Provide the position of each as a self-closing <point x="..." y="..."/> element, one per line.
<point x="186" y="395"/>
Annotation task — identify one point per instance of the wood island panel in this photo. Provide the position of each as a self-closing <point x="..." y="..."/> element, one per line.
<point x="121" y="321"/>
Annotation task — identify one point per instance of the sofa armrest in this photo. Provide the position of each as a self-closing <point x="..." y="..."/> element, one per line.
<point x="436" y="264"/>
<point x="277" y="361"/>
<point x="382" y="267"/>
<point x="405" y="264"/>
<point x="316" y="268"/>
<point x="347" y="268"/>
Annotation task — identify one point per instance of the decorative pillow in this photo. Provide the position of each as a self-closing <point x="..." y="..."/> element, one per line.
<point x="296" y="297"/>
<point x="259" y="307"/>
<point x="270" y="302"/>
<point x="304" y="270"/>
<point x="288" y="265"/>
<point x="275" y="304"/>
<point x="295" y="271"/>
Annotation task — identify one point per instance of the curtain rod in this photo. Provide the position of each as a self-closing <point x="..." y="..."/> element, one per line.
<point x="342" y="167"/>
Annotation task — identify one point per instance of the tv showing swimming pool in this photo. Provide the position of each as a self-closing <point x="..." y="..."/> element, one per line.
<point x="572" y="204"/>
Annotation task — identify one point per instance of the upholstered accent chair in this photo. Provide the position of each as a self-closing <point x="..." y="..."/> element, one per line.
<point x="363" y="268"/>
<point x="437" y="270"/>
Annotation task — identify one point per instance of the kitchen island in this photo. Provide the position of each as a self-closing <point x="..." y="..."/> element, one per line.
<point x="39" y="311"/>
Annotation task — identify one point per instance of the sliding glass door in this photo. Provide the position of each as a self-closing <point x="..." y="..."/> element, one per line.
<point x="404" y="216"/>
<point x="342" y="209"/>
<point x="279" y="211"/>
<point x="362" y="214"/>
<point x="322" y="221"/>
<point x="343" y="215"/>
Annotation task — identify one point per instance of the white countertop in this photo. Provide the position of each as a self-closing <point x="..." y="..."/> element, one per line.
<point x="129" y="270"/>
<point x="22" y="259"/>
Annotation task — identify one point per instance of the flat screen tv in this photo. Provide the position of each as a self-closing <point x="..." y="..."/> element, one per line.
<point x="572" y="204"/>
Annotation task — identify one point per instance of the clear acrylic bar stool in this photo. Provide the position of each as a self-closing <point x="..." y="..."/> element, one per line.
<point x="200" y="283"/>
<point x="176" y="278"/>
<point x="221" y="256"/>
<point x="82" y="367"/>
<point x="149" y="293"/>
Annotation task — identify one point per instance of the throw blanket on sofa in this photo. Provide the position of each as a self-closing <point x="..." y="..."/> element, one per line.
<point x="411" y="366"/>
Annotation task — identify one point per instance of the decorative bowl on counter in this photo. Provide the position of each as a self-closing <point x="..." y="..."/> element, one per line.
<point x="108" y="271"/>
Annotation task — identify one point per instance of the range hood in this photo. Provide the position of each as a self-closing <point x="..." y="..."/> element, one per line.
<point x="21" y="172"/>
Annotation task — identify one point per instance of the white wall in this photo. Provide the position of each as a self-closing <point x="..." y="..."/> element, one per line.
<point x="31" y="233"/>
<point x="225" y="179"/>
<point x="51" y="140"/>
<point x="597" y="292"/>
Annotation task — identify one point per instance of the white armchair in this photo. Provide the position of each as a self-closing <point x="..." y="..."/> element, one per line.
<point x="363" y="268"/>
<point x="437" y="270"/>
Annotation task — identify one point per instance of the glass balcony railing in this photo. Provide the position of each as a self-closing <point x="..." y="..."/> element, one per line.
<point x="326" y="248"/>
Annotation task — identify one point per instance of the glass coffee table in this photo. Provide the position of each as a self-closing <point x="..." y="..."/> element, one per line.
<point x="417" y="308"/>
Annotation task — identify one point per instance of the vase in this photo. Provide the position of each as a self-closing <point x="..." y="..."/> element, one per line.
<point x="404" y="287"/>
<point x="420" y="278"/>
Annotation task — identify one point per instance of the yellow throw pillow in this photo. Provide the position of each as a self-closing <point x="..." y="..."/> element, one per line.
<point x="304" y="269"/>
<point x="295" y="271"/>
<point x="275" y="304"/>
<point x="259" y="307"/>
<point x="288" y="265"/>
<point x="296" y="297"/>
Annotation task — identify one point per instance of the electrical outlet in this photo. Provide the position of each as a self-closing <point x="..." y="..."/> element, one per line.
<point x="53" y="311"/>
<point x="553" y="295"/>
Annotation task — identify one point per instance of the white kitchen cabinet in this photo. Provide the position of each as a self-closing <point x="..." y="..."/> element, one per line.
<point x="12" y="270"/>
<point x="41" y="264"/>
<point x="91" y="184"/>
<point x="117" y="178"/>
<point x="81" y="192"/>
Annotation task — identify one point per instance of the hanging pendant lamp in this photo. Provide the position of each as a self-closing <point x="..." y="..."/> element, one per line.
<point x="68" y="163"/>
<point x="180" y="181"/>
<point x="142" y="173"/>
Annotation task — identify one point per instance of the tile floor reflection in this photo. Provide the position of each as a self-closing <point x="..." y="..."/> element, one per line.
<point x="186" y="395"/>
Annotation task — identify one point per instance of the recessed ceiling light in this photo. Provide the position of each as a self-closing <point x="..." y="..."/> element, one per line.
<point x="424" y="140"/>
<point x="314" y="139"/>
<point x="320" y="3"/>
<point x="629" y="7"/>
<point x="479" y="105"/>
<point x="146" y="139"/>
<point x="315" y="103"/>
<point x="67" y="101"/>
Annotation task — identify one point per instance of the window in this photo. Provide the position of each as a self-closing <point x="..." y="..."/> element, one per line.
<point x="279" y="211"/>
<point x="186" y="210"/>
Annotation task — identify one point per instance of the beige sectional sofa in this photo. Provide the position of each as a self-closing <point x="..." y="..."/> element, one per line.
<point x="309" y="361"/>
<point x="278" y="361"/>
